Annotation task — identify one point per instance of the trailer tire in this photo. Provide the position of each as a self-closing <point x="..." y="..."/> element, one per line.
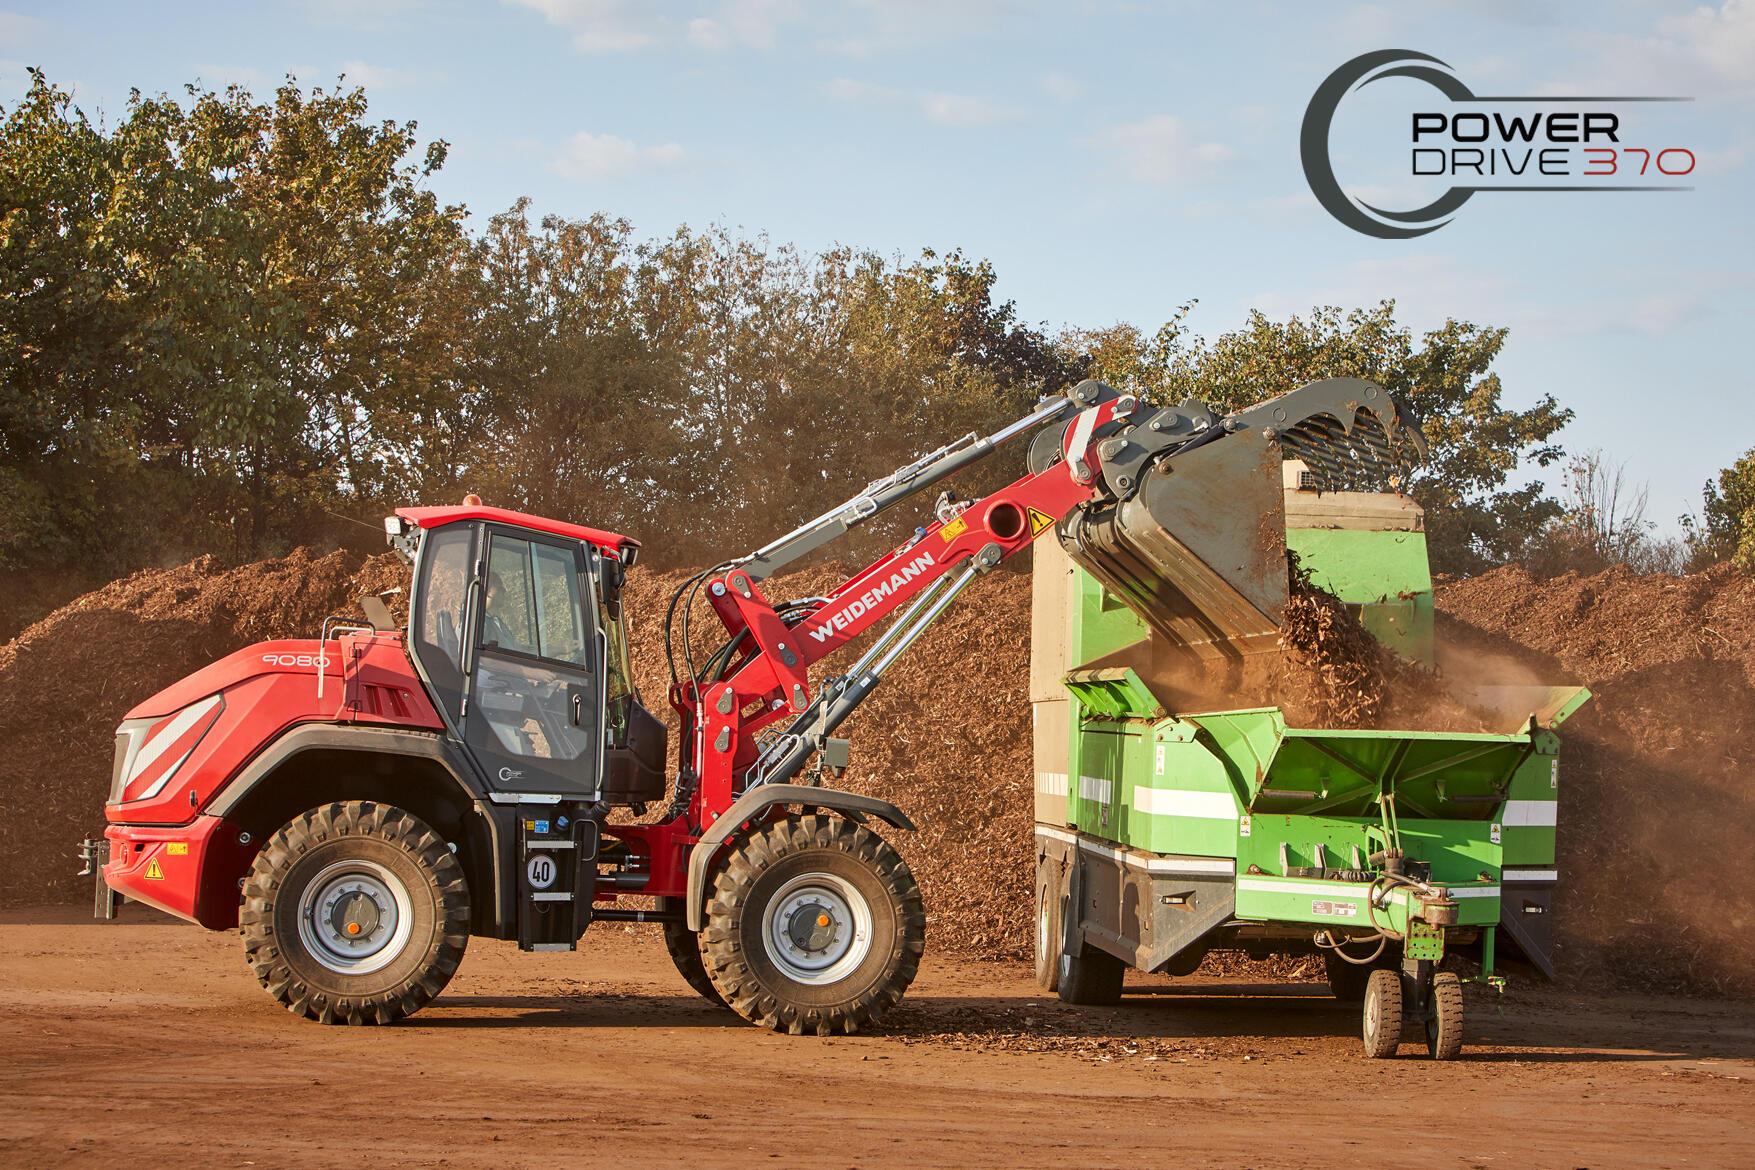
<point x="1444" y="1017"/>
<point x="814" y="924"/>
<point x="1091" y="979"/>
<point x="1382" y="1014"/>
<point x="1049" y="938"/>
<point x="383" y="870"/>
<point x="684" y="946"/>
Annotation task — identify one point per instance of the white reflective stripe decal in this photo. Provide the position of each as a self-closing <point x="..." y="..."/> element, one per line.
<point x="1530" y="875"/>
<point x="1296" y="886"/>
<point x="1096" y="788"/>
<point x="1154" y="863"/>
<point x="1176" y="802"/>
<point x="170" y="734"/>
<point x="1476" y="892"/>
<point x="1529" y="813"/>
<point x="158" y="786"/>
<point x="1051" y="783"/>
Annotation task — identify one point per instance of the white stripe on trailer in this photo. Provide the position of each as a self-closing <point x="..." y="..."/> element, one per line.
<point x="1530" y="875"/>
<point x="155" y="747"/>
<point x="1475" y="892"/>
<point x="1096" y="788"/>
<point x="1302" y="886"/>
<point x="1179" y="802"/>
<point x="1529" y="813"/>
<point x="1051" y="783"/>
<point x="1162" y="863"/>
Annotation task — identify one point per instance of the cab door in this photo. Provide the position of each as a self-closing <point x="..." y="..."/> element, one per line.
<point x="533" y="697"/>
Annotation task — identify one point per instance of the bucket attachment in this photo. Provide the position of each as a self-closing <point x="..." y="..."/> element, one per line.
<point x="1195" y="539"/>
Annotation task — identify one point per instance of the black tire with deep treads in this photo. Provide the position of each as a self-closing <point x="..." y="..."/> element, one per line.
<point x="684" y="946"/>
<point x="1382" y="1016"/>
<point x="403" y="844"/>
<point x="758" y="866"/>
<point x="1444" y="1017"/>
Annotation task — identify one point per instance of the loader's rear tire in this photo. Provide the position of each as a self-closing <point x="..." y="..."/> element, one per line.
<point x="814" y="924"/>
<point x="1444" y="1017"/>
<point x="355" y="913"/>
<point x="1382" y="1014"/>
<point x="1049" y="938"/>
<point x="1346" y="980"/>
<point x="684" y="946"/>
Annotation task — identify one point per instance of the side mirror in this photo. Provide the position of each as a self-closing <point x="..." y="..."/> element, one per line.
<point x="377" y="612"/>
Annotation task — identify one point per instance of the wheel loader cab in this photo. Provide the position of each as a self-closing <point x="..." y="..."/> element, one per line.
<point x="517" y="633"/>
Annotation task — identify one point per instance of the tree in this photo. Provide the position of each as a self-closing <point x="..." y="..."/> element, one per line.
<point x="1726" y="530"/>
<point x="215" y="319"/>
<point x="1475" y="516"/>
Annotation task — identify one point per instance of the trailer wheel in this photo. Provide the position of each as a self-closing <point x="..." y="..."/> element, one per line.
<point x="1092" y="978"/>
<point x="1048" y="938"/>
<point x="814" y="924"/>
<point x="355" y="913"/>
<point x="1383" y="1014"/>
<point x="1346" y="980"/>
<point x="684" y="946"/>
<point x="1444" y="1017"/>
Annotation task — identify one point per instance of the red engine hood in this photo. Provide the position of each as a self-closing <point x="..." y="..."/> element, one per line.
<point x="291" y="656"/>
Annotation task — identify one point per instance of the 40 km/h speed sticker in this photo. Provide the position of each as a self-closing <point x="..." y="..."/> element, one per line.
<point x="541" y="871"/>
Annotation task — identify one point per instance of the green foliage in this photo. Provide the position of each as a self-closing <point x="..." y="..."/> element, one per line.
<point x="1726" y="531"/>
<point x="223" y="321"/>
<point x="1475" y="517"/>
<point x="206" y="315"/>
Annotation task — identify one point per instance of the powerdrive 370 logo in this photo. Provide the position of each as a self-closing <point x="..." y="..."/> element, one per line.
<point x="1472" y="144"/>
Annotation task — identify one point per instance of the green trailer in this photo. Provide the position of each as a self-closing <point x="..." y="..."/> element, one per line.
<point x="1166" y="828"/>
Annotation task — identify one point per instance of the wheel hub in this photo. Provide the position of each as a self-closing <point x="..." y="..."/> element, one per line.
<point x="355" y="917"/>
<point x="818" y="929"/>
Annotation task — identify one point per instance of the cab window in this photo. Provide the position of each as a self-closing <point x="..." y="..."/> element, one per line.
<point x="533" y="605"/>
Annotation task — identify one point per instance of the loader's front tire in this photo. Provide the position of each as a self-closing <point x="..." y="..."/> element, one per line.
<point x="355" y="913"/>
<point x="684" y="946"/>
<point x="814" y="924"/>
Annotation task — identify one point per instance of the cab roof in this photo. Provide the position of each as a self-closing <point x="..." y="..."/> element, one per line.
<point x="609" y="542"/>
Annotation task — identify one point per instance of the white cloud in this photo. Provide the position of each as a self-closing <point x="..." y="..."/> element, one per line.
<point x="944" y="109"/>
<point x="18" y="31"/>
<point x="607" y="157"/>
<point x="630" y="26"/>
<point x="377" y="77"/>
<point x="1161" y="150"/>
<point x="1707" y="51"/>
<point x="1062" y="88"/>
<point x="601" y="26"/>
<point x="846" y="89"/>
<point x="957" y="109"/>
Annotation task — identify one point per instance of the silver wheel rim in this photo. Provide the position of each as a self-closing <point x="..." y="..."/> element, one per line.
<point x="1042" y="959"/>
<point x="817" y="929"/>
<point x="1372" y="1009"/>
<point x="355" y="917"/>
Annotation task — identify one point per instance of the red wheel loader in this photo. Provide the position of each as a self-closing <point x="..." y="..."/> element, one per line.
<point x="359" y="805"/>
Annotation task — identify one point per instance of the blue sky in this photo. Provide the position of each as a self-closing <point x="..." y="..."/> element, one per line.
<point x="1113" y="159"/>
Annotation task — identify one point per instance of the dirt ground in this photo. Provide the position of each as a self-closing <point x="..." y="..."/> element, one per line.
<point x="148" y="1041"/>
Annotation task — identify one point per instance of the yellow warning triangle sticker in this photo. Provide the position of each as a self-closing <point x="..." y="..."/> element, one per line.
<point x="154" y="872"/>
<point x="1040" y="522"/>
